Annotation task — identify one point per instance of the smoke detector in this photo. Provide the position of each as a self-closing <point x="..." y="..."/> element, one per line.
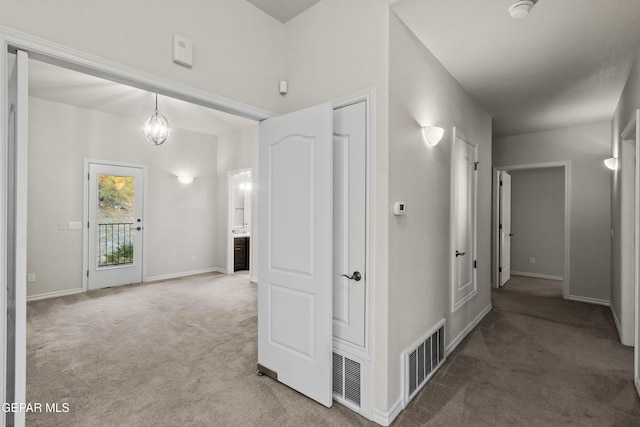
<point x="521" y="8"/>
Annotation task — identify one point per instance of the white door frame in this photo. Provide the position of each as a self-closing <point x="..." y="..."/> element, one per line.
<point x="66" y="57"/>
<point x="86" y="219"/>
<point x="566" y="283"/>
<point x="456" y="305"/>
<point x="230" y="236"/>
<point x="632" y="132"/>
<point x="368" y="96"/>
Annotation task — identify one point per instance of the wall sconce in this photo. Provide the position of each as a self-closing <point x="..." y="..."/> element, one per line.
<point x="611" y="163"/>
<point x="432" y="134"/>
<point x="185" y="179"/>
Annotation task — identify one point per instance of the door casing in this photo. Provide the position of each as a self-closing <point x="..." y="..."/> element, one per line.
<point x="86" y="218"/>
<point x="567" y="219"/>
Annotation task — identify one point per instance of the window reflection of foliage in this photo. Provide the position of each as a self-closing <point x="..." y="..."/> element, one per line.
<point x="116" y="197"/>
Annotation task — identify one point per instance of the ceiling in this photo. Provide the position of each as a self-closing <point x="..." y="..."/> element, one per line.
<point x="564" y="64"/>
<point x="283" y="10"/>
<point x="82" y="90"/>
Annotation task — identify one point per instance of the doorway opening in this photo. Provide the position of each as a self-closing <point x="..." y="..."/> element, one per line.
<point x="531" y="223"/>
<point x="14" y="377"/>
<point x="240" y="221"/>
<point x="114" y="238"/>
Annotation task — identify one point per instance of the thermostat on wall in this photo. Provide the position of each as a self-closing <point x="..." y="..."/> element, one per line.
<point x="399" y="208"/>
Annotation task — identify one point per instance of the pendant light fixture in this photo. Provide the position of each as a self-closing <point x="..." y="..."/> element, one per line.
<point x="156" y="128"/>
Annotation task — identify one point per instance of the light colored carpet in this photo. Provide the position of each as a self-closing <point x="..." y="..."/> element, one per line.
<point x="184" y="352"/>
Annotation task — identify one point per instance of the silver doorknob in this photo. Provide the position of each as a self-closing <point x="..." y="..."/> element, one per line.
<point x="460" y="253"/>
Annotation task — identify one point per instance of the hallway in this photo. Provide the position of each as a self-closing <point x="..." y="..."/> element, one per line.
<point x="535" y="359"/>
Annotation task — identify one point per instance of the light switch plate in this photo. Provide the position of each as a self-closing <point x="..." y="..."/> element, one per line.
<point x="400" y="208"/>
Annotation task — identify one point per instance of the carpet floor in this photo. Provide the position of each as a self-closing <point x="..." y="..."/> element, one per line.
<point x="183" y="353"/>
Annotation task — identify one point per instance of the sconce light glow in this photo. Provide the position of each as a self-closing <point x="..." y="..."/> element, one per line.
<point x="185" y="179"/>
<point x="432" y="134"/>
<point x="611" y="163"/>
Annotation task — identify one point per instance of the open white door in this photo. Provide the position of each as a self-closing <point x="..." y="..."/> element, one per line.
<point x="295" y="288"/>
<point x="505" y="227"/>
<point x="16" y="236"/>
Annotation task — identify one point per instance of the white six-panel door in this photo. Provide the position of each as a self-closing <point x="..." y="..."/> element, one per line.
<point x="296" y="245"/>
<point x="464" y="219"/>
<point x="505" y="227"/>
<point x="349" y="187"/>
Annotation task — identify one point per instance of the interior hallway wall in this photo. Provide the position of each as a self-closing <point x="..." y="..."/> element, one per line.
<point x="236" y="150"/>
<point x="423" y="92"/>
<point x="537" y="221"/>
<point x="180" y="217"/>
<point x="585" y="147"/>
<point x="622" y="210"/>
<point x="334" y="49"/>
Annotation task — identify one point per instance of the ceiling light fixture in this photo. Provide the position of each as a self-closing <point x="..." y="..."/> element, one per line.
<point x="156" y="128"/>
<point x="432" y="134"/>
<point x="521" y="8"/>
<point x="185" y="179"/>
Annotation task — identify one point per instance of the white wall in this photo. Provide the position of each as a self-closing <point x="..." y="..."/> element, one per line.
<point x="537" y="221"/>
<point x="622" y="210"/>
<point x="180" y="218"/>
<point x="334" y="49"/>
<point x="585" y="147"/>
<point x="237" y="47"/>
<point x="422" y="92"/>
<point x="237" y="150"/>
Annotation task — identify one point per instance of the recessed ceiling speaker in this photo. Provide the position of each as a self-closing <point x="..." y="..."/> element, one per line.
<point x="521" y="8"/>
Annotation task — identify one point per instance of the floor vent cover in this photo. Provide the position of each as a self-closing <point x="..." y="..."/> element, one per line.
<point x="346" y="379"/>
<point x="422" y="361"/>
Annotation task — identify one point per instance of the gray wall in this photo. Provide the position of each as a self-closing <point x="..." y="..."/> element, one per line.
<point x="585" y="147"/>
<point x="422" y="92"/>
<point x="537" y="221"/>
<point x="622" y="210"/>
<point x="180" y="218"/>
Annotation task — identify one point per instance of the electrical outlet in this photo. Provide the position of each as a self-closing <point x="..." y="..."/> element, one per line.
<point x="31" y="277"/>
<point x="532" y="260"/>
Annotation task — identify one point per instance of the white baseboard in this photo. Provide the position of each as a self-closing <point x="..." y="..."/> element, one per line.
<point x="588" y="300"/>
<point x="386" y="418"/>
<point x="254" y="279"/>
<point x="183" y="274"/>
<point x="54" y="294"/>
<point x="637" y="381"/>
<point x="468" y="329"/>
<point x="536" y="275"/>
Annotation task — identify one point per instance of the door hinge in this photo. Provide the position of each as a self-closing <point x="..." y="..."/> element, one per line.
<point x="500" y="227"/>
<point x="475" y="264"/>
<point x="500" y="270"/>
<point x="500" y="183"/>
<point x="89" y="176"/>
<point x="88" y="226"/>
<point x="475" y="166"/>
<point x="87" y="273"/>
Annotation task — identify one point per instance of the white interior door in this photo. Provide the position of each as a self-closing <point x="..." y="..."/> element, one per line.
<point x="464" y="220"/>
<point x="349" y="198"/>
<point x="505" y="227"/>
<point x="115" y="203"/>
<point x="16" y="233"/>
<point x="295" y="287"/>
